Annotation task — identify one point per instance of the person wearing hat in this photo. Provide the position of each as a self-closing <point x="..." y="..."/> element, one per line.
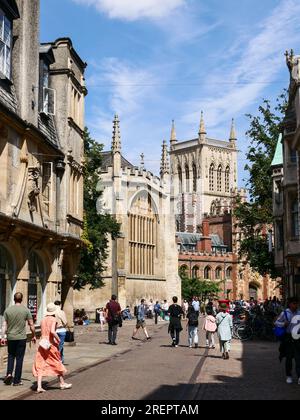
<point x="48" y="359"/>
<point x="225" y="325"/>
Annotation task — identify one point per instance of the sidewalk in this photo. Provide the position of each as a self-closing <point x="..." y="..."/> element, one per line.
<point x="90" y="349"/>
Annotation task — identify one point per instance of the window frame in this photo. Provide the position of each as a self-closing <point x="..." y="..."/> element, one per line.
<point x="4" y="71"/>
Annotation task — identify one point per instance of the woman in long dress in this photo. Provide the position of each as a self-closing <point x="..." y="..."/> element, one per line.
<point x="48" y="361"/>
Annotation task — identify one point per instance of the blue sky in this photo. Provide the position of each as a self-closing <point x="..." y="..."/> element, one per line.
<point x="152" y="61"/>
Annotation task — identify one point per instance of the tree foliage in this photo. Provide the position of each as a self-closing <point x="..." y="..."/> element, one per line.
<point x="200" y="288"/>
<point x="253" y="218"/>
<point x="98" y="228"/>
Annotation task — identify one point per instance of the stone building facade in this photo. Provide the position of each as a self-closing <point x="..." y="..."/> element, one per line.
<point x="143" y="261"/>
<point x="203" y="174"/>
<point x="286" y="183"/>
<point x="41" y="150"/>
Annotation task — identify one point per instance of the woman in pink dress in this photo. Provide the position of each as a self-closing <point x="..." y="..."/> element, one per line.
<point x="48" y="361"/>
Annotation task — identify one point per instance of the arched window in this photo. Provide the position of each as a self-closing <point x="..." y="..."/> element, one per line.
<point x="195" y="272"/>
<point x="36" y="287"/>
<point x="6" y="280"/>
<point x="211" y="177"/>
<point x="187" y="178"/>
<point x="143" y="231"/>
<point x="227" y="179"/>
<point x="183" y="271"/>
<point x="180" y="179"/>
<point x="194" y="178"/>
<point x="219" y="179"/>
<point x="207" y="273"/>
<point x="228" y="273"/>
<point x="218" y="273"/>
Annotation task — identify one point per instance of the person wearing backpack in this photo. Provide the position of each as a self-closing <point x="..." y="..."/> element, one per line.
<point x="141" y="323"/>
<point x="210" y="327"/>
<point x="192" y="326"/>
<point x="289" y="348"/>
<point x="113" y="314"/>
<point x="175" y="312"/>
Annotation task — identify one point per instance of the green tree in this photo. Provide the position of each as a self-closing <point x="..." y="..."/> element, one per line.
<point x="200" y="288"/>
<point x="97" y="227"/>
<point x="254" y="217"/>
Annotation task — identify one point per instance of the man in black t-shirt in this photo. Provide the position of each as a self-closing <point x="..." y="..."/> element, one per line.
<point x="175" y="312"/>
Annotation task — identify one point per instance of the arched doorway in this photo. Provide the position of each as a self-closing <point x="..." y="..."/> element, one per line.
<point x="36" y="287"/>
<point x="6" y="280"/>
<point x="253" y="291"/>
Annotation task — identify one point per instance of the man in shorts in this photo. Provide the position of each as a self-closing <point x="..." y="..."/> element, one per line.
<point x="141" y="323"/>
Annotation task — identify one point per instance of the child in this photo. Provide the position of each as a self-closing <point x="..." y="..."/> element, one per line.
<point x="101" y="318"/>
<point x="210" y="327"/>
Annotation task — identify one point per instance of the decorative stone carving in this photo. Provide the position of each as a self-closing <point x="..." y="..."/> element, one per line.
<point x="33" y="187"/>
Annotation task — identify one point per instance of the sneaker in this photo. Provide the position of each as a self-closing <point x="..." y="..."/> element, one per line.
<point x="191" y="347"/>
<point x="66" y="386"/>
<point x="18" y="384"/>
<point x="8" y="380"/>
<point x="289" y="380"/>
<point x="148" y="338"/>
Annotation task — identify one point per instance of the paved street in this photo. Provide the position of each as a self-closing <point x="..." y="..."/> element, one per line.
<point x="155" y="371"/>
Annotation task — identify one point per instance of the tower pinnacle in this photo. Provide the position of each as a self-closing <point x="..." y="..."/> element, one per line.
<point x="164" y="167"/>
<point x="202" y="131"/>
<point x="173" y="134"/>
<point x="116" y="139"/>
<point x="233" y="137"/>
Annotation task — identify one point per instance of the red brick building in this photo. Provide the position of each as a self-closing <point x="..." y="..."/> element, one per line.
<point x="212" y="255"/>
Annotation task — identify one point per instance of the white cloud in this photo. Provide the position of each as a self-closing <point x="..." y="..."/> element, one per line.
<point x="131" y="10"/>
<point x="260" y="62"/>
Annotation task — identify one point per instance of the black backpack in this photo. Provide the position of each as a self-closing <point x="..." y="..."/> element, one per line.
<point x="193" y="318"/>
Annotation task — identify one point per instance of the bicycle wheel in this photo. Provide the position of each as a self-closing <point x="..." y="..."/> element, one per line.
<point x="244" y="332"/>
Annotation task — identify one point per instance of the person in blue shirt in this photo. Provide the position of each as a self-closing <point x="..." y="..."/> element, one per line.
<point x="157" y="310"/>
<point x="289" y="347"/>
<point x="141" y="323"/>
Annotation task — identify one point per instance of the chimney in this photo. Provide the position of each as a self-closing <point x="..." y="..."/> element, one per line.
<point x="204" y="245"/>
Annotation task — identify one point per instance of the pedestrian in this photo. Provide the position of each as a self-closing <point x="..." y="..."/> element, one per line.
<point x="225" y="326"/>
<point x="289" y="348"/>
<point x="113" y="314"/>
<point x="175" y="312"/>
<point x="196" y="304"/>
<point x="150" y="309"/>
<point x="14" y="335"/>
<point x="185" y="308"/>
<point x="157" y="310"/>
<point x="192" y="326"/>
<point x="101" y="318"/>
<point x="141" y="323"/>
<point x="210" y="327"/>
<point x="48" y="359"/>
<point x="61" y="329"/>
<point x="165" y="308"/>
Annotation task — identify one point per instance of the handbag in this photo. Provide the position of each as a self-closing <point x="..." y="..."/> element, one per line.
<point x="280" y="332"/>
<point x="45" y="344"/>
<point x="69" y="337"/>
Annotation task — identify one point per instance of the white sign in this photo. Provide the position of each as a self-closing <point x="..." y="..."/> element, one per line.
<point x="296" y="328"/>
